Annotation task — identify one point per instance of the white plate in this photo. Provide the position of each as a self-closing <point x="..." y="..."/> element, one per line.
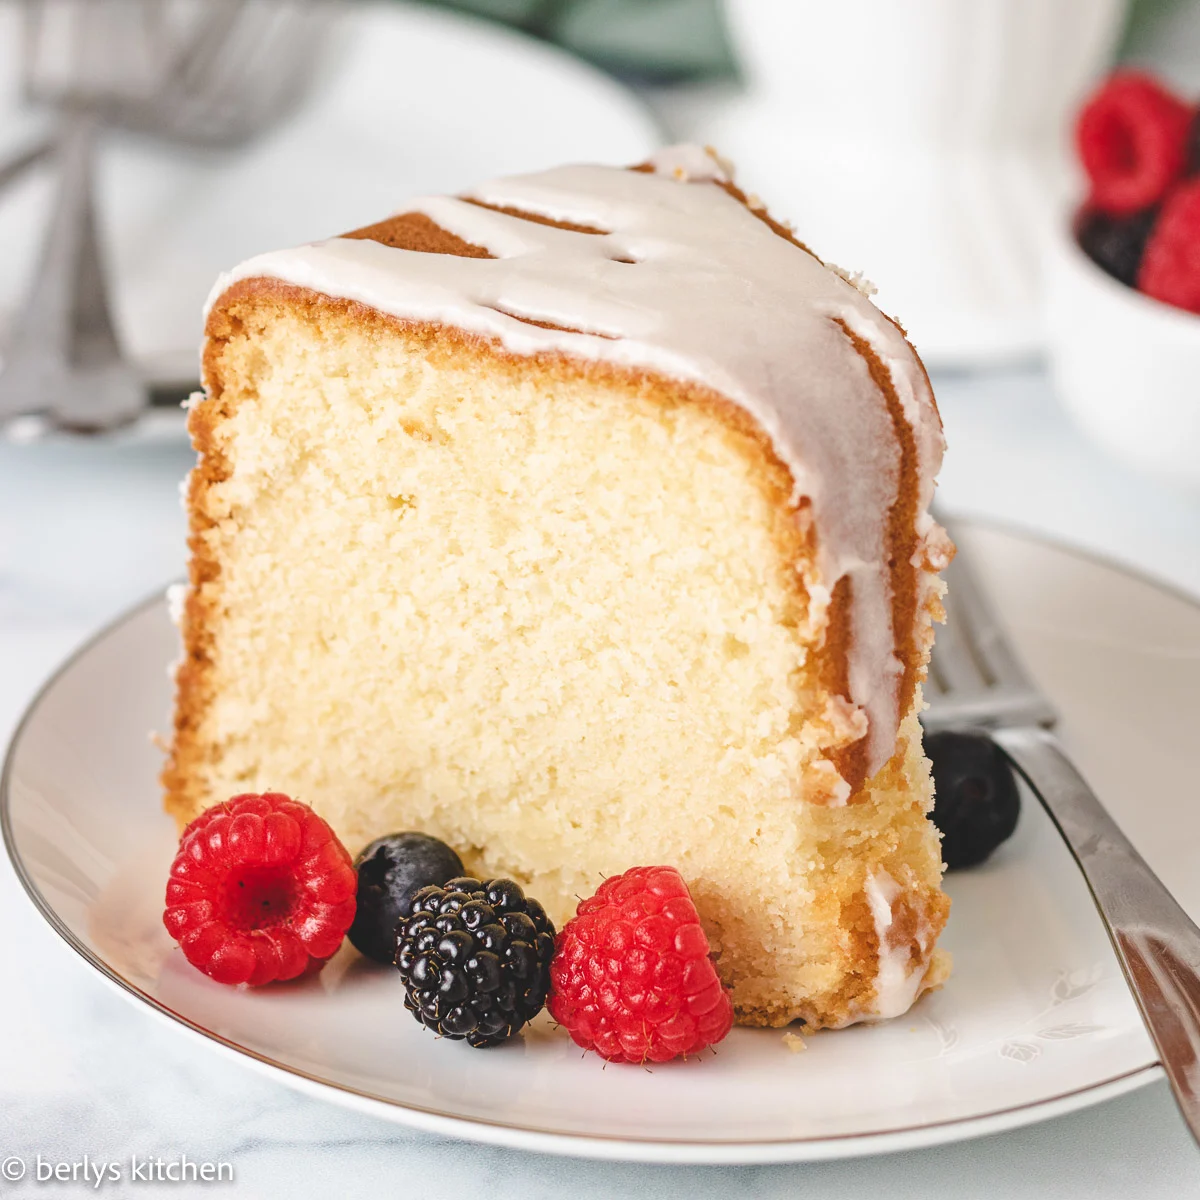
<point x="411" y="100"/>
<point x="1035" y="1021"/>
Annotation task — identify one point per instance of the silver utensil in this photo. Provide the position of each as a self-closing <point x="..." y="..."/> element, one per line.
<point x="63" y="352"/>
<point x="200" y="72"/>
<point x="19" y="161"/>
<point x="63" y="347"/>
<point x="238" y="66"/>
<point x="976" y="679"/>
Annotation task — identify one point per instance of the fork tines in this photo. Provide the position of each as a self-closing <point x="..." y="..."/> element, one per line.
<point x="975" y="676"/>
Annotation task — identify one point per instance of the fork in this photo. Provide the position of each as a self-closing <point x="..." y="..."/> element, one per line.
<point x="238" y="68"/>
<point x="63" y="346"/>
<point x="976" y="679"/>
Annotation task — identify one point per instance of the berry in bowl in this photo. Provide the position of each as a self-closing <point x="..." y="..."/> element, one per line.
<point x="1123" y="281"/>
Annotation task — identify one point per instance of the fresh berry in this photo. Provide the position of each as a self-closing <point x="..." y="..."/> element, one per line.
<point x="632" y="978"/>
<point x="1116" y="244"/>
<point x="975" y="801"/>
<point x="204" y="819"/>
<point x="475" y="959"/>
<point x="1131" y="137"/>
<point x="1171" y="264"/>
<point x="260" y="890"/>
<point x="391" y="870"/>
<point x="1191" y="164"/>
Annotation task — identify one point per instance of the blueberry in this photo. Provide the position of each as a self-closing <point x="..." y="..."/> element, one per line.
<point x="1116" y="244"/>
<point x="391" y="871"/>
<point x="1192" y="167"/>
<point x="976" y="802"/>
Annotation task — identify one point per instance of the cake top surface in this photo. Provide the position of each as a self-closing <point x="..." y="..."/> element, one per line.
<point x="668" y="270"/>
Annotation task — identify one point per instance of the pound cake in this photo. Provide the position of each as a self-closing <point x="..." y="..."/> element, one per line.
<point x="582" y="521"/>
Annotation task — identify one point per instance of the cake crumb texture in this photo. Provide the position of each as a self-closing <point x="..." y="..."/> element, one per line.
<point x="550" y="612"/>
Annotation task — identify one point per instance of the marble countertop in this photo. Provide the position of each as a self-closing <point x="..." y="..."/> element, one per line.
<point x="88" y="528"/>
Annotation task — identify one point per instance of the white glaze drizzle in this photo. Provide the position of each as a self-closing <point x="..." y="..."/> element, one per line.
<point x="176" y="597"/>
<point x="902" y="967"/>
<point x="713" y="295"/>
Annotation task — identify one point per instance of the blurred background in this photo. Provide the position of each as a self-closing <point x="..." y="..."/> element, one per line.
<point x="147" y="145"/>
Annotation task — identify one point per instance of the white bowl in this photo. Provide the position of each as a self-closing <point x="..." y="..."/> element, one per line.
<point x="1126" y="367"/>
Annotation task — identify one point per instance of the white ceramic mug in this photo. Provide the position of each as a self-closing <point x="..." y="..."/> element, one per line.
<point x="949" y="73"/>
<point x="923" y="142"/>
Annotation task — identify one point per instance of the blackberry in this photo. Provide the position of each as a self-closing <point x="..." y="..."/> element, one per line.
<point x="475" y="959"/>
<point x="391" y="870"/>
<point x="1116" y="244"/>
<point x="975" y="802"/>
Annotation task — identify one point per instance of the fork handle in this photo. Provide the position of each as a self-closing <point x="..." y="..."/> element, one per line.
<point x="49" y="309"/>
<point x="19" y="161"/>
<point x="40" y="342"/>
<point x="66" y="324"/>
<point x="1157" y="944"/>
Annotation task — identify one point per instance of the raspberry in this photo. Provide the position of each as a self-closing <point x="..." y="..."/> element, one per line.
<point x="1131" y="138"/>
<point x="631" y="976"/>
<point x="1171" y="263"/>
<point x="260" y="890"/>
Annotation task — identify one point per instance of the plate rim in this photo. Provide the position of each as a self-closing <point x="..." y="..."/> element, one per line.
<point x="625" y="1147"/>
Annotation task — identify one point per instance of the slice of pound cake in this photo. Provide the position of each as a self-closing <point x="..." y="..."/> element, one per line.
<point x="582" y="522"/>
